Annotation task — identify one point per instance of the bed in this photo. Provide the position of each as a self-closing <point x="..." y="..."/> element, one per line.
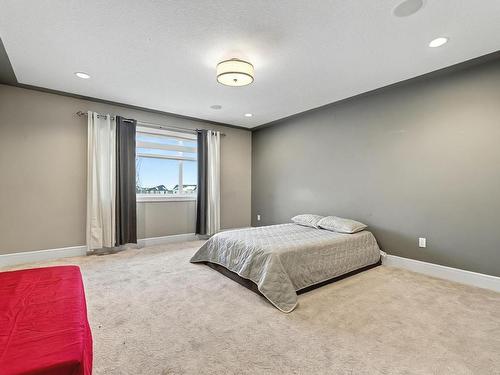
<point x="283" y="260"/>
<point x="43" y="323"/>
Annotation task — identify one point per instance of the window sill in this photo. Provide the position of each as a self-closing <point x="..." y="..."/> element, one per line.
<point x="156" y="198"/>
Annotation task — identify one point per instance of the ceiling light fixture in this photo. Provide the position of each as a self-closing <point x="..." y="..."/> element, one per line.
<point x="408" y="8"/>
<point x="235" y="72"/>
<point x="248" y="115"/>
<point x="82" y="75"/>
<point x="438" y="42"/>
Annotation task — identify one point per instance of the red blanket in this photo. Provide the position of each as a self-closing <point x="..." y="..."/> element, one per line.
<point x="43" y="323"/>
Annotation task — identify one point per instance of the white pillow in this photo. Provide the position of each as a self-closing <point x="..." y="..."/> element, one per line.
<point x="341" y="225"/>
<point x="307" y="220"/>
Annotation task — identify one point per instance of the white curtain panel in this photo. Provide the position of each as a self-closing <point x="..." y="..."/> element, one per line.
<point x="101" y="181"/>
<point x="213" y="182"/>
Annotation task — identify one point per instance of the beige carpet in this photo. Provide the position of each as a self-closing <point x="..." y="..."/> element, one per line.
<point x="152" y="312"/>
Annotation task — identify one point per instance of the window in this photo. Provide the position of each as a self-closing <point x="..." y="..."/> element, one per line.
<point x="166" y="166"/>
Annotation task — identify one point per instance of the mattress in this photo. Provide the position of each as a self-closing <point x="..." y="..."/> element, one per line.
<point x="43" y="323"/>
<point x="282" y="259"/>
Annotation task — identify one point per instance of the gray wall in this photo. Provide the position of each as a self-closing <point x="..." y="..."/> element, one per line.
<point x="418" y="160"/>
<point x="156" y="219"/>
<point x="43" y="147"/>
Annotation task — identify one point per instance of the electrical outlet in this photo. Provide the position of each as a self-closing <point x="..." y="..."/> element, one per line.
<point x="258" y="217"/>
<point x="422" y="242"/>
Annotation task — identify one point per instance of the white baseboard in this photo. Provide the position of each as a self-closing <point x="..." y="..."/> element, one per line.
<point x="75" y="251"/>
<point x="454" y="274"/>
<point x="41" y="255"/>
<point x="153" y="241"/>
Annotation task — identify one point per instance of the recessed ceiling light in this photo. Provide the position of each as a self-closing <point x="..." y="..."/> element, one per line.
<point x="408" y="7"/>
<point x="438" y="42"/>
<point x="216" y="106"/>
<point x="248" y="115"/>
<point x="82" y="75"/>
<point x="235" y="72"/>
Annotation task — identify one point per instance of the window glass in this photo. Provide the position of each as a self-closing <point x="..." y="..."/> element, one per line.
<point x="163" y="171"/>
<point x="173" y="154"/>
<point x="190" y="176"/>
<point x="156" y="176"/>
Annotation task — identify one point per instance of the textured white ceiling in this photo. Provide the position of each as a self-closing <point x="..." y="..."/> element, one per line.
<point x="162" y="54"/>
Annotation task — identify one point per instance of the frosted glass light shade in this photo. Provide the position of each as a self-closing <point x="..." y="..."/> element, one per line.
<point x="438" y="42"/>
<point x="235" y="72"/>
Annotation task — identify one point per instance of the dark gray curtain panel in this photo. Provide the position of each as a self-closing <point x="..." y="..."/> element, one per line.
<point x="201" y="206"/>
<point x="126" y="214"/>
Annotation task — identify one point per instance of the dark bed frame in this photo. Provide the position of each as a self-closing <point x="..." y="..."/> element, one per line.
<point x="253" y="287"/>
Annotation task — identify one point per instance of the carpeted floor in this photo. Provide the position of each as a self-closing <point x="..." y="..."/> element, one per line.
<point x="152" y="312"/>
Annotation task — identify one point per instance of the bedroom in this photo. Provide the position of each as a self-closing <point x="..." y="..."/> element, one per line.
<point x="128" y="150"/>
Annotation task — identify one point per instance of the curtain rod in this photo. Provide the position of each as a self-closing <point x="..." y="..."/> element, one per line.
<point x="151" y="124"/>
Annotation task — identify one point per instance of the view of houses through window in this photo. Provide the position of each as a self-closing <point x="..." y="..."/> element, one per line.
<point x="166" y="163"/>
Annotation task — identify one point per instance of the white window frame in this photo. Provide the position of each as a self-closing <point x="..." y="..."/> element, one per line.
<point x="180" y="197"/>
